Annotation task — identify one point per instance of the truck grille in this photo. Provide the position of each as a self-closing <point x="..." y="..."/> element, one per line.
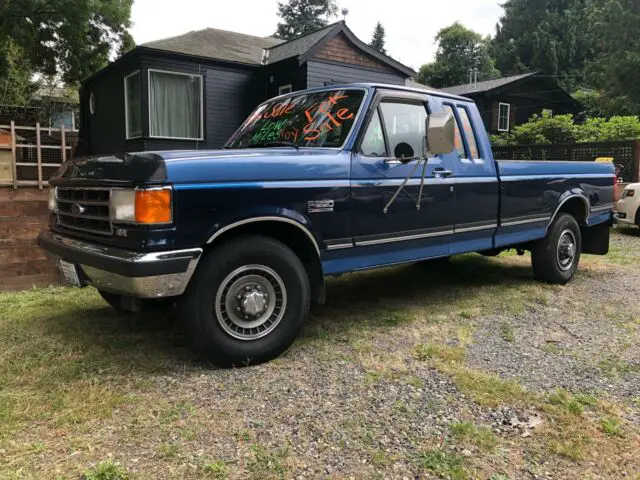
<point x="84" y="209"/>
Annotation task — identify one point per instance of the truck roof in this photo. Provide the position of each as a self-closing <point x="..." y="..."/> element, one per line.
<point x="384" y="86"/>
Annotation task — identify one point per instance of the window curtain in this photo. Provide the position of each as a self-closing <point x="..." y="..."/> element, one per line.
<point x="174" y="105"/>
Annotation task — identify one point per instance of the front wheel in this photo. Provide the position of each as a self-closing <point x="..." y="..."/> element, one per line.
<point x="247" y="301"/>
<point x="555" y="258"/>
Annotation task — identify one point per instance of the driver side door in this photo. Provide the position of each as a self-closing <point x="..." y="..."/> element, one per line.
<point x="410" y="227"/>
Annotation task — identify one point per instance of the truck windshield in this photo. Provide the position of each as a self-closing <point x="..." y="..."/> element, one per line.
<point x="320" y="119"/>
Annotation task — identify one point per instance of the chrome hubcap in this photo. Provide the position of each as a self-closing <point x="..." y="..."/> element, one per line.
<point x="567" y="250"/>
<point x="250" y="302"/>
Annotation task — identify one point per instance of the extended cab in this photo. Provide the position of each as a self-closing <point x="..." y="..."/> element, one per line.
<point x="314" y="183"/>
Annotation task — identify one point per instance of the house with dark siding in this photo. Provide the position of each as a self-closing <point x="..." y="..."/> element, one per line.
<point x="193" y="91"/>
<point x="510" y="101"/>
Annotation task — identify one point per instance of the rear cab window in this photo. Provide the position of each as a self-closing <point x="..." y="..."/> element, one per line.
<point x="466" y="143"/>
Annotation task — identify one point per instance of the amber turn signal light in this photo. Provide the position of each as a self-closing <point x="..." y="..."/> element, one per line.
<point x="153" y="206"/>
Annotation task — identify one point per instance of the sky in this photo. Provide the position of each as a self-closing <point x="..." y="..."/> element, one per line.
<point x="410" y="25"/>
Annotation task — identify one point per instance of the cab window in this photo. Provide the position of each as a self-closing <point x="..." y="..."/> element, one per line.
<point x="373" y="142"/>
<point x="404" y="122"/>
<point x="458" y="139"/>
<point x="468" y="132"/>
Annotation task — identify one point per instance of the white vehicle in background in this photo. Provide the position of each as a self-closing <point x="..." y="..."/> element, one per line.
<point x="627" y="211"/>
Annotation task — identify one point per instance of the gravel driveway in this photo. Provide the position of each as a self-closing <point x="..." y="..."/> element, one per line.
<point x="471" y="370"/>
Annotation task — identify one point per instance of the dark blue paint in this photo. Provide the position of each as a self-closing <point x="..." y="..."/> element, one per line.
<point x="216" y="188"/>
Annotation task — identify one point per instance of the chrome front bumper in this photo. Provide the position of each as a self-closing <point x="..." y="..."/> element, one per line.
<point x="136" y="274"/>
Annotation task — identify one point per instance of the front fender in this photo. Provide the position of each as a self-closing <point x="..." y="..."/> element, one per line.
<point x="261" y="214"/>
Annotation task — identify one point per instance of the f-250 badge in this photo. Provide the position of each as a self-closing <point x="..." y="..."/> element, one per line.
<point x="319" y="206"/>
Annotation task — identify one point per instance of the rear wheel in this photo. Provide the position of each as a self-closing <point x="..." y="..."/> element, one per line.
<point x="555" y="258"/>
<point x="247" y="302"/>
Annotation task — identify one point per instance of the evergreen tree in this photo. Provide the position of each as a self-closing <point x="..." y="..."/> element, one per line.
<point x="377" y="42"/>
<point x="553" y="36"/>
<point x="303" y="16"/>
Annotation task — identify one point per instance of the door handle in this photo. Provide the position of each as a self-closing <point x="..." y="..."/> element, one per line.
<point x="442" y="173"/>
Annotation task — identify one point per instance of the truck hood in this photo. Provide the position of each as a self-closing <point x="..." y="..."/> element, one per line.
<point x="179" y="167"/>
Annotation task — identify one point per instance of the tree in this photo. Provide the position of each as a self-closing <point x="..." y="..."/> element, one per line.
<point x="549" y="35"/>
<point x="69" y="38"/>
<point x="616" y="63"/>
<point x="377" y="42"/>
<point x="459" y="49"/>
<point x="303" y="16"/>
<point x="16" y="85"/>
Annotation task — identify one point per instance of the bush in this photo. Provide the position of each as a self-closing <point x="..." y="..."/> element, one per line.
<point x="546" y="129"/>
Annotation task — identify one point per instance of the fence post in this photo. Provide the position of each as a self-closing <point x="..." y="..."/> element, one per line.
<point x="63" y="143"/>
<point x="14" y="167"/>
<point x="636" y="161"/>
<point x="39" y="155"/>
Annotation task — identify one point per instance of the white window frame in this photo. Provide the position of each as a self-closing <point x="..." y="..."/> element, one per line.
<point x="285" y="87"/>
<point x="201" y="137"/>
<point x="126" y="107"/>
<point x="508" y="105"/>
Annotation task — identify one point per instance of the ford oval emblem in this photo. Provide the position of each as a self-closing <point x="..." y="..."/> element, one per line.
<point x="77" y="209"/>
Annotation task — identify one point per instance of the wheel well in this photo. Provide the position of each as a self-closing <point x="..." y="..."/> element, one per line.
<point x="576" y="207"/>
<point x="293" y="237"/>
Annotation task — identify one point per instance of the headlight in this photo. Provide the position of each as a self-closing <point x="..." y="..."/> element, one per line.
<point x="629" y="193"/>
<point x="53" y="200"/>
<point x="144" y="206"/>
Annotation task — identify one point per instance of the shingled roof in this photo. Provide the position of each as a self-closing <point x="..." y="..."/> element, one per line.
<point x="240" y="48"/>
<point x="470" y="88"/>
<point x="218" y="45"/>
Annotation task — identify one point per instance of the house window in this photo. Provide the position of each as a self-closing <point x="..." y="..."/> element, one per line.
<point x="547" y="112"/>
<point x="175" y="105"/>
<point x="284" y="89"/>
<point x="63" y="117"/>
<point x="132" y="105"/>
<point x="504" y="115"/>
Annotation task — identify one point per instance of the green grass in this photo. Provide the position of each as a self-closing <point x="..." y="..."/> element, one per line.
<point x="216" y="469"/>
<point x="470" y="434"/>
<point x="611" y="426"/>
<point x="506" y="333"/>
<point x="445" y="464"/>
<point x="433" y="351"/>
<point x="568" y="401"/>
<point x="268" y="463"/>
<point x="106" y="471"/>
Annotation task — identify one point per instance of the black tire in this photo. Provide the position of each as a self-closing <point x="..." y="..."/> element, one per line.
<point x="211" y="309"/>
<point x="555" y="258"/>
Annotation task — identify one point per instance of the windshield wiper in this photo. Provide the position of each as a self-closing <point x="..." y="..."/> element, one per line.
<point x="276" y="143"/>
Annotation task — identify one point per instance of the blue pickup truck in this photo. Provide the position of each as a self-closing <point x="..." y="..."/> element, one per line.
<point x="314" y="183"/>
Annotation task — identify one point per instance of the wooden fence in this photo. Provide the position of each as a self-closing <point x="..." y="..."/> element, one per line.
<point x="625" y="153"/>
<point x="29" y="156"/>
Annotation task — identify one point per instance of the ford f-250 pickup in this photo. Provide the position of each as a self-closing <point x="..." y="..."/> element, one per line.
<point x="314" y="183"/>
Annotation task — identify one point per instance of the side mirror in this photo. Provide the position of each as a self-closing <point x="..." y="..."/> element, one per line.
<point x="404" y="152"/>
<point x="440" y="128"/>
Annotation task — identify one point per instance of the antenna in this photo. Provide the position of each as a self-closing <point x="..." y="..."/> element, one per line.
<point x="345" y="12"/>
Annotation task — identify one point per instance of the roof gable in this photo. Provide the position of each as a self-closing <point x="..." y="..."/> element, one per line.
<point x="299" y="46"/>
<point x="339" y="49"/>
